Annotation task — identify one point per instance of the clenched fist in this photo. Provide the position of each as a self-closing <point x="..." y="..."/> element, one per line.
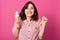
<point x="44" y="20"/>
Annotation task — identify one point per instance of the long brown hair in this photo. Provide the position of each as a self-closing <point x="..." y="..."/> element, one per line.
<point x="22" y="13"/>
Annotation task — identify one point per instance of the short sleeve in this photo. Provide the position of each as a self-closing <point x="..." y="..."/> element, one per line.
<point x="39" y="24"/>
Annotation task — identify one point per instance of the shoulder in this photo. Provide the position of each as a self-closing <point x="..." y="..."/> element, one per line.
<point x="37" y="23"/>
<point x="39" y="20"/>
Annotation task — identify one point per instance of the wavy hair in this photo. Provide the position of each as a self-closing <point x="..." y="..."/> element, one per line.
<point x="22" y="13"/>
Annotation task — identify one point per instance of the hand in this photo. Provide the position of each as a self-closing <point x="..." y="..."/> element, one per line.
<point x="44" y="20"/>
<point x="17" y="18"/>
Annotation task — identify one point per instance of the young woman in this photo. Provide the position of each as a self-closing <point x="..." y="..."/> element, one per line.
<point x="28" y="25"/>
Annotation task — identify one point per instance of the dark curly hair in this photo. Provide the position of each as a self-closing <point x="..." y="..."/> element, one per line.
<point x="22" y="13"/>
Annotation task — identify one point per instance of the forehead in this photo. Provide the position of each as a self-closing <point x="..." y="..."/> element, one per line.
<point x="30" y="5"/>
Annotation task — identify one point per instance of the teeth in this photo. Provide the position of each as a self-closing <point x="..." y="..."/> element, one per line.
<point x="30" y="12"/>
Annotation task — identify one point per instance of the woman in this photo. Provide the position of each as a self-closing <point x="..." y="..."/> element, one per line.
<point x="28" y="25"/>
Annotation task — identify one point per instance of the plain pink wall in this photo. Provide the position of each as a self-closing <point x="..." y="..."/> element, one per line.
<point x="49" y="8"/>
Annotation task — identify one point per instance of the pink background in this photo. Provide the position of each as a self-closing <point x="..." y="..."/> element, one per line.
<point x="49" y="8"/>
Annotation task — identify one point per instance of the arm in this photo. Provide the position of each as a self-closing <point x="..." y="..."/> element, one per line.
<point x="15" y="30"/>
<point x="42" y="27"/>
<point x="16" y="27"/>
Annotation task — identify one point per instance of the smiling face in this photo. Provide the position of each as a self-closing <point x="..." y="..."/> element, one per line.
<point x="30" y="10"/>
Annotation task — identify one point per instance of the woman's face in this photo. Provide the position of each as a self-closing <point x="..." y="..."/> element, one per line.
<point x="29" y="11"/>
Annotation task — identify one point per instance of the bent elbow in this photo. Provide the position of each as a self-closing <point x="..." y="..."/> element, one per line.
<point x="40" y="37"/>
<point x="15" y="33"/>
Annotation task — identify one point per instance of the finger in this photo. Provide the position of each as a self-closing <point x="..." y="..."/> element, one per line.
<point x="44" y="18"/>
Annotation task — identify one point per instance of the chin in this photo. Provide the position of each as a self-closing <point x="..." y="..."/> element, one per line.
<point x="29" y="15"/>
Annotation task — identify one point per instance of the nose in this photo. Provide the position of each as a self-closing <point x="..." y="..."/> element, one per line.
<point x="29" y="10"/>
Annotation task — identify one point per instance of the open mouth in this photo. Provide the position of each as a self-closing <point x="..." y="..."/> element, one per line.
<point x="29" y="12"/>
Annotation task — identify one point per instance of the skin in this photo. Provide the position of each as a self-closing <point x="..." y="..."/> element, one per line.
<point x="42" y="27"/>
<point x="29" y="12"/>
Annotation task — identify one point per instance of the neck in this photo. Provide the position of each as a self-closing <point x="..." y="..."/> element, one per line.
<point x="28" y="19"/>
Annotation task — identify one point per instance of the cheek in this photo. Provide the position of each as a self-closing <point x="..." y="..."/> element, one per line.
<point x="26" y="11"/>
<point x="32" y="11"/>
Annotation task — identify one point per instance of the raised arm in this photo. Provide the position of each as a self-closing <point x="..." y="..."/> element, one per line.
<point x="16" y="27"/>
<point x="42" y="27"/>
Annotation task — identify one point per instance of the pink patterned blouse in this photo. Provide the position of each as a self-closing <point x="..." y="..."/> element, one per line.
<point x="29" y="31"/>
